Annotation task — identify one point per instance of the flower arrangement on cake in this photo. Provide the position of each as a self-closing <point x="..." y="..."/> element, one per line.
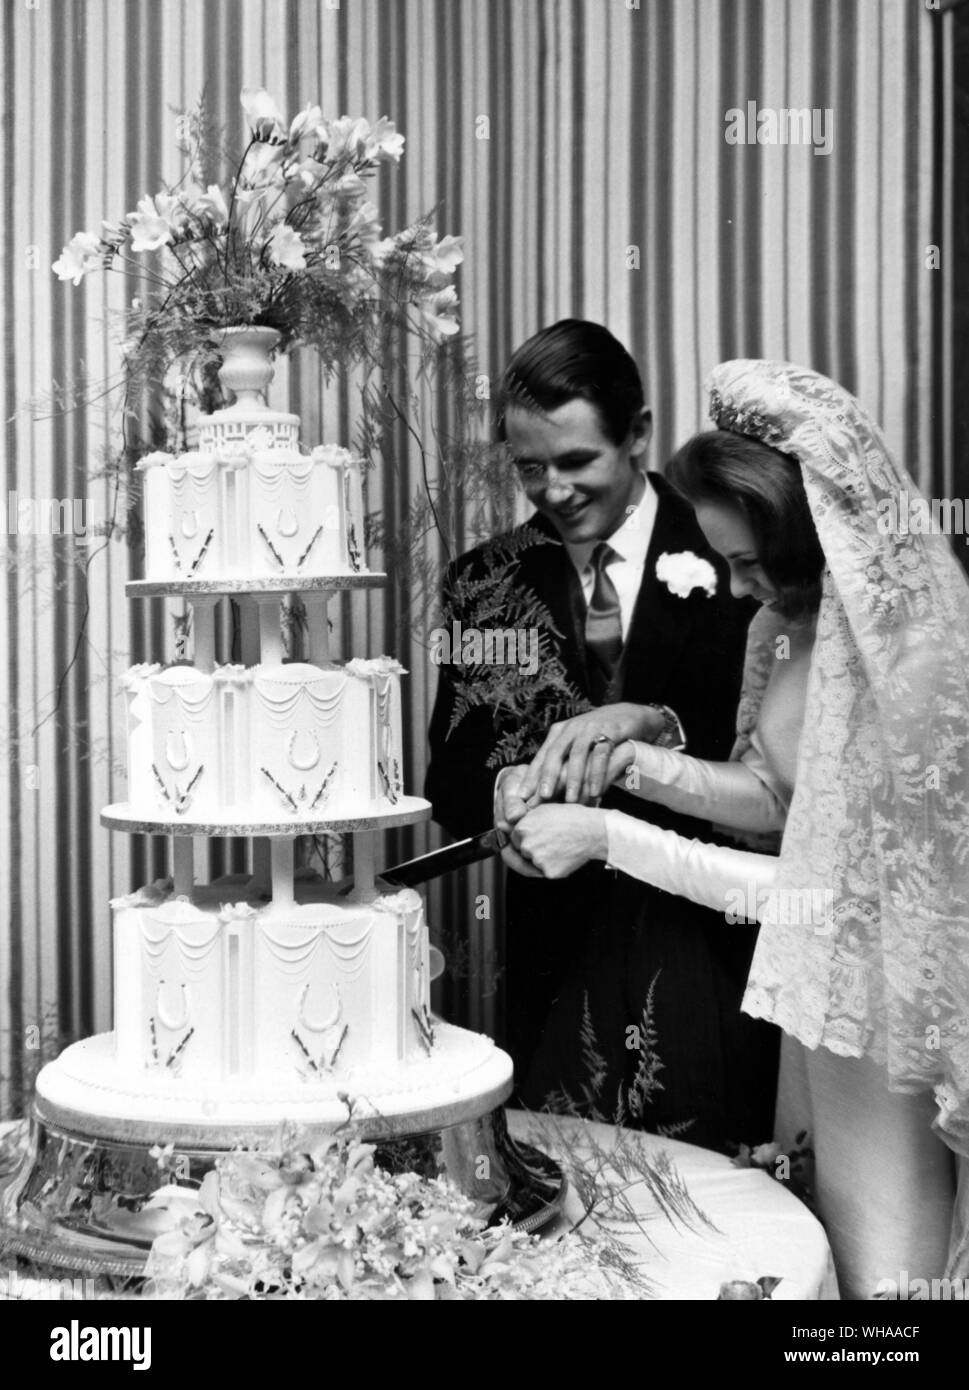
<point x="282" y="235"/>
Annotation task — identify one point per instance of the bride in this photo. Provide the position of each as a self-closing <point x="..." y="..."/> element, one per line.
<point x="853" y="741"/>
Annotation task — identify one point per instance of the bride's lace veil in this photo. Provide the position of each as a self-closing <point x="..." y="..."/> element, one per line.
<point x="877" y="838"/>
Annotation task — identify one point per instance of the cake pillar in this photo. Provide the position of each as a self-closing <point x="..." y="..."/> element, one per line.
<point x="203" y="625"/>
<point x="364" y="890"/>
<point x="248" y="630"/>
<point x="270" y="631"/>
<point x="281" y="851"/>
<point x="183" y="853"/>
<point x="318" y="628"/>
<point x="249" y="651"/>
<point x="261" y="867"/>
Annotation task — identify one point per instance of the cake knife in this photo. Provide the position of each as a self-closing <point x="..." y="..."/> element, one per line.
<point x="442" y="861"/>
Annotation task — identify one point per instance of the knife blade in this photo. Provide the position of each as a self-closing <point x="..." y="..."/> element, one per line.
<point x="443" y="861"/>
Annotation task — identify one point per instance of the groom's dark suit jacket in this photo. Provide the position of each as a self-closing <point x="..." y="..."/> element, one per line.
<point x="587" y="949"/>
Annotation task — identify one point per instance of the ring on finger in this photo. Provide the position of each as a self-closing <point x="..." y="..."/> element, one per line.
<point x="601" y="738"/>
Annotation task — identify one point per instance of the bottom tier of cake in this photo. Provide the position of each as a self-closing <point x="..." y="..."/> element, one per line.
<point x="91" y="1090"/>
<point x="227" y="987"/>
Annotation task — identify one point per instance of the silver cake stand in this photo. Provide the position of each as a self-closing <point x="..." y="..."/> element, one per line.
<point x="74" y="1205"/>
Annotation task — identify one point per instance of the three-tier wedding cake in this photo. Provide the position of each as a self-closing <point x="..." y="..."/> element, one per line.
<point x="270" y="995"/>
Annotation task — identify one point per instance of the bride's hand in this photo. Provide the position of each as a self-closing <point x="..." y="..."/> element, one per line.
<point x="577" y="752"/>
<point x="557" y="840"/>
<point x="621" y="759"/>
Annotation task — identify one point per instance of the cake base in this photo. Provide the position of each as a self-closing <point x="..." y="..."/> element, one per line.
<point x="75" y="1206"/>
<point x="87" y="1091"/>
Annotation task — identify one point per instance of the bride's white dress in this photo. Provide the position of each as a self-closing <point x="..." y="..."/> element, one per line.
<point x="884" y="1182"/>
<point x="858" y="749"/>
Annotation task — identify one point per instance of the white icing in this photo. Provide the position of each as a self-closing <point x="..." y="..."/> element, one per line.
<point x="230" y="984"/>
<point x="249" y="504"/>
<point x="269" y="743"/>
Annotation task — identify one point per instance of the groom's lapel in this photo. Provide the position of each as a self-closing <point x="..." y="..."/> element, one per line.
<point x="662" y="623"/>
<point x="547" y="570"/>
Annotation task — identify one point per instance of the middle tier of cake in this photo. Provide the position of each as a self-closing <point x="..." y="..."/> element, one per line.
<point x="266" y="743"/>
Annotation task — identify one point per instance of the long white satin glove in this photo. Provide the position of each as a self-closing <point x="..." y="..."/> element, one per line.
<point x="735" y="882"/>
<point x="745" y="794"/>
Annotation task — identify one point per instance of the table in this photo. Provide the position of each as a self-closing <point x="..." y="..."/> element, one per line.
<point x="762" y="1228"/>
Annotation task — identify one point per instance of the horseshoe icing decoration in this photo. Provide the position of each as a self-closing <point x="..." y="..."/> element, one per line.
<point x="287" y="522"/>
<point x="189" y="527"/>
<point x="302" y="764"/>
<point x="179" y="760"/>
<point x="317" y="1025"/>
<point x="170" y="1022"/>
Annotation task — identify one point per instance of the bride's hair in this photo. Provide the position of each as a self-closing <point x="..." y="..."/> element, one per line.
<point x="765" y="485"/>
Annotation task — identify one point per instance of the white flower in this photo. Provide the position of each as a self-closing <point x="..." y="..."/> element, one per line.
<point x="304" y="124"/>
<point x="364" y="223"/>
<point x="262" y="113"/>
<point x="263" y="165"/>
<point x="434" y="312"/>
<point x="347" y="135"/>
<point x="385" y="141"/>
<point x="154" y="223"/>
<point x="444" y="256"/>
<point x="684" y="572"/>
<point x="349" y="185"/>
<point x="381" y="250"/>
<point x="286" y="247"/>
<point x="212" y="205"/>
<point x="81" y="254"/>
<point x="311" y="172"/>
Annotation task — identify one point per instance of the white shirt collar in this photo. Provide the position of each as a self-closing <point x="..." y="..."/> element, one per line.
<point x="631" y="540"/>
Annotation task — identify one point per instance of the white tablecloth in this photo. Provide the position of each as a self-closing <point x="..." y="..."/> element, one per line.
<point x="762" y="1229"/>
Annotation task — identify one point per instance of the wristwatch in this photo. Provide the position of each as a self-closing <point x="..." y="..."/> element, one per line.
<point x="672" y="736"/>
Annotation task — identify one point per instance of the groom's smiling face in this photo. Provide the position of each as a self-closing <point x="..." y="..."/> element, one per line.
<point x="571" y="470"/>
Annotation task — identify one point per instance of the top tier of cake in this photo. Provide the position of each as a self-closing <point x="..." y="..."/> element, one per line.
<point x="249" y="504"/>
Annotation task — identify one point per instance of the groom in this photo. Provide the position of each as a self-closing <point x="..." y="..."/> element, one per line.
<point x="616" y="994"/>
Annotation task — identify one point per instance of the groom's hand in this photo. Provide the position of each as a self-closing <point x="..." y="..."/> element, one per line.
<point x="557" y="840"/>
<point x="577" y="752"/>
<point x="510" y="808"/>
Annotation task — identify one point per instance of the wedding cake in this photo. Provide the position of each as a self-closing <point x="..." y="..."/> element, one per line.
<point x="269" y="742"/>
<point x="249" y="504"/>
<point x="269" y="995"/>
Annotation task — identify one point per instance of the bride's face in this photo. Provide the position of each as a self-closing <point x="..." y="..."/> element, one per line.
<point x="729" y="532"/>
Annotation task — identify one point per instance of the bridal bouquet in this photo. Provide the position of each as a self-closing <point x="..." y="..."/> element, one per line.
<point x="288" y="240"/>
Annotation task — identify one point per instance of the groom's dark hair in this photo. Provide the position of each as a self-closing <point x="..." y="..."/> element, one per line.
<point x="574" y="359"/>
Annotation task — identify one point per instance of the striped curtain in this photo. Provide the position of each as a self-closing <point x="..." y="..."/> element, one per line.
<point x="581" y="148"/>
